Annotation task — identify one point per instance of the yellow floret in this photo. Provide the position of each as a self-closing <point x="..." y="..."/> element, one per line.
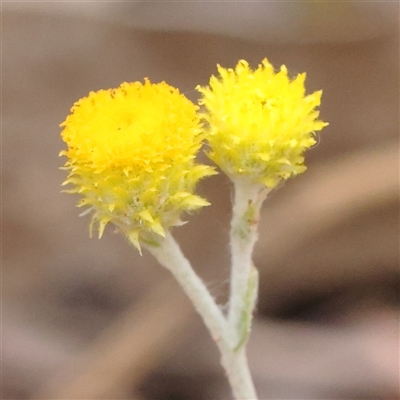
<point x="259" y="122"/>
<point x="131" y="155"/>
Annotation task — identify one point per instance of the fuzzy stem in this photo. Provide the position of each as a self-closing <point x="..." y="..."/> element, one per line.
<point x="237" y="369"/>
<point x="169" y="254"/>
<point x="246" y="209"/>
<point x="234" y="362"/>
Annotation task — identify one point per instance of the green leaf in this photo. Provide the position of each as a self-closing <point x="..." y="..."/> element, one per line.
<point x="249" y="304"/>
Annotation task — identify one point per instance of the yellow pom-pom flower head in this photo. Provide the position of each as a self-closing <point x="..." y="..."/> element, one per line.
<point x="260" y="122"/>
<point x="131" y="155"/>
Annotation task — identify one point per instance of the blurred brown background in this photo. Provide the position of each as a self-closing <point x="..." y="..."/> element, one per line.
<point x="89" y="319"/>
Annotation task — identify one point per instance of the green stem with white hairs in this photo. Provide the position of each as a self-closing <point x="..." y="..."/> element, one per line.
<point x="234" y="360"/>
<point x="248" y="198"/>
<point x="169" y="254"/>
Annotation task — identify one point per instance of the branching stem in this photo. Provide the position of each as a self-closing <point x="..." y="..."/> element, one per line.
<point x="234" y="361"/>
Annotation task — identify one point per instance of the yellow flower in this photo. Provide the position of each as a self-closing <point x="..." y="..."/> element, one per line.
<point x="259" y="122"/>
<point x="131" y="155"/>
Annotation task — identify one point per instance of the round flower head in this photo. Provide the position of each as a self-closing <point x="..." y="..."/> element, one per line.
<point x="259" y="122"/>
<point x="131" y="155"/>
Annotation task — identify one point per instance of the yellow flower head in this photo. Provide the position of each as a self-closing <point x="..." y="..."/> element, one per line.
<point x="259" y="122"/>
<point x="131" y="155"/>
